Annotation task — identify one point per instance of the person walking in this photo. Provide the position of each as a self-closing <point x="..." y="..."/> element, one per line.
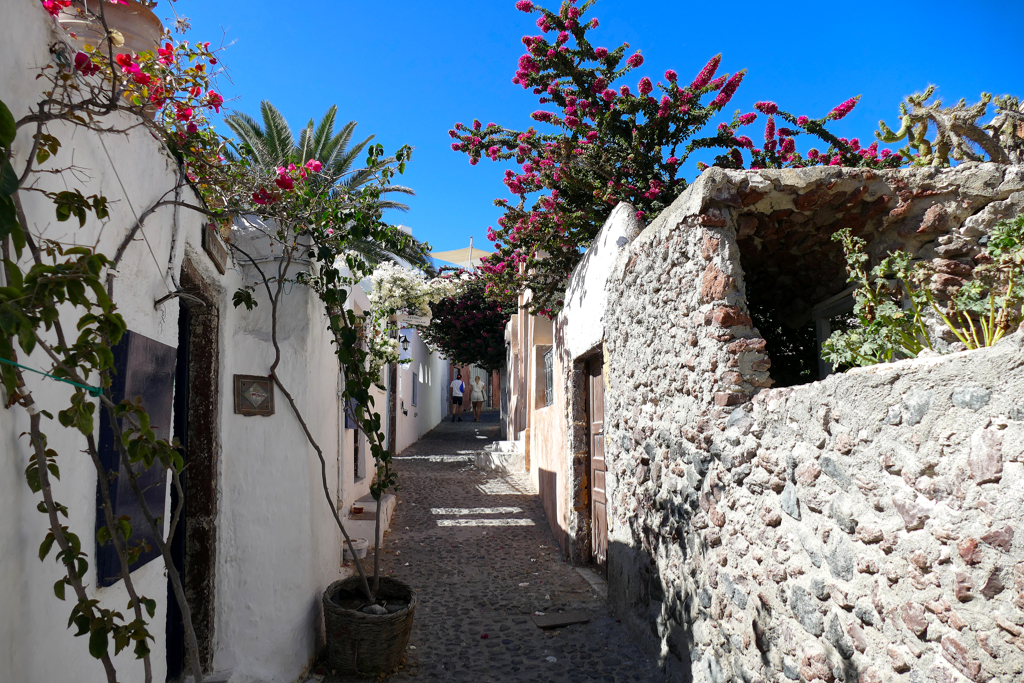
<point x="476" y="397"/>
<point x="458" y="387"/>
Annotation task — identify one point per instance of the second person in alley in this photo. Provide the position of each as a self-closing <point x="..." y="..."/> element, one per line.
<point x="458" y="387"/>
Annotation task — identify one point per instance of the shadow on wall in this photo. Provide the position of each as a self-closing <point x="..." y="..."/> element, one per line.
<point x="548" y="489"/>
<point x="652" y="614"/>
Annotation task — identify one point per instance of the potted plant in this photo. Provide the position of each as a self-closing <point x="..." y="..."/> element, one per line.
<point x="312" y="223"/>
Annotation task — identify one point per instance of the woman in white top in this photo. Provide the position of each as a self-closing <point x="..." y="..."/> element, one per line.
<point x="477" y="397"/>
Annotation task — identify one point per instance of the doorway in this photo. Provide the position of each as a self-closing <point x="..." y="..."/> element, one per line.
<point x="194" y="544"/>
<point x="597" y="466"/>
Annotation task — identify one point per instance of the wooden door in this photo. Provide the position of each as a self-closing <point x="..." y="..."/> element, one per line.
<point x="598" y="491"/>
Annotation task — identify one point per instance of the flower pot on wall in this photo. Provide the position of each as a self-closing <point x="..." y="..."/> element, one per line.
<point x="135" y="21"/>
<point x="363" y="643"/>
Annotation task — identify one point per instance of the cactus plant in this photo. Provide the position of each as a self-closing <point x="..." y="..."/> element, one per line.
<point x="957" y="131"/>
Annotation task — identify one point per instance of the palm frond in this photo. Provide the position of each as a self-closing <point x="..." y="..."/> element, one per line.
<point x="252" y="134"/>
<point x="324" y="131"/>
<point x="279" y="139"/>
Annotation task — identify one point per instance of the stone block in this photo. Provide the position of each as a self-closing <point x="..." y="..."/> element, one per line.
<point x="836" y="635"/>
<point x="1000" y="538"/>
<point x="914" y="516"/>
<point x="972" y="398"/>
<point x="839" y="555"/>
<point x="806" y="611"/>
<point x="915" y="619"/>
<point x="789" y="501"/>
<point x="986" y="456"/>
<point x="959" y="656"/>
<point x="916" y="404"/>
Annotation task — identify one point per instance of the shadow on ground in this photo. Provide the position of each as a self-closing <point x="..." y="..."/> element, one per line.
<point x="477" y="548"/>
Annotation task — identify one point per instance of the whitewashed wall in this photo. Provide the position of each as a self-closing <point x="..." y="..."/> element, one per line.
<point x="583" y="314"/>
<point x="35" y="644"/>
<point x="431" y="373"/>
<point x="277" y="545"/>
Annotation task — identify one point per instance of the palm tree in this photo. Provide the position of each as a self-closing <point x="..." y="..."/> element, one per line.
<point x="272" y="144"/>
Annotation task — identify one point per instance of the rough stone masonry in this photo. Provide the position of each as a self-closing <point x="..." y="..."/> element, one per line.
<point x="867" y="527"/>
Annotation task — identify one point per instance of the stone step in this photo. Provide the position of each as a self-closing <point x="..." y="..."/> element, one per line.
<point x="499" y="461"/>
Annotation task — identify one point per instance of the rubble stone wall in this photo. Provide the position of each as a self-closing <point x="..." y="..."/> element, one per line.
<point x="868" y="527"/>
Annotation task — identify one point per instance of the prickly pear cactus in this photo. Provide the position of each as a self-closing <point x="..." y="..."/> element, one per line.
<point x="957" y="131"/>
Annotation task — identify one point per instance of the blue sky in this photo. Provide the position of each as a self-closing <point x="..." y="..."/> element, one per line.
<point x="406" y="70"/>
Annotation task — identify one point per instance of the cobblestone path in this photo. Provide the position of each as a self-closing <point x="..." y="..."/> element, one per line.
<point x="477" y="548"/>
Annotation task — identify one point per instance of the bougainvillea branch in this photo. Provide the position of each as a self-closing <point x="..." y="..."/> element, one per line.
<point x="604" y="142"/>
<point x="469" y="327"/>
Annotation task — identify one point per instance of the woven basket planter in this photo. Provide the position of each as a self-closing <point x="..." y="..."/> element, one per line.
<point x="367" y="643"/>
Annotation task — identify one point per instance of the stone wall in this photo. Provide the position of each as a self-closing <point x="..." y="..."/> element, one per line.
<point x="861" y="528"/>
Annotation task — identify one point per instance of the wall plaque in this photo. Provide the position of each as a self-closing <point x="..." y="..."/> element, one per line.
<point x="214" y="248"/>
<point x="254" y="395"/>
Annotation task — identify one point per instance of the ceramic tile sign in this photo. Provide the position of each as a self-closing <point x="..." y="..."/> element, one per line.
<point x="254" y="395"/>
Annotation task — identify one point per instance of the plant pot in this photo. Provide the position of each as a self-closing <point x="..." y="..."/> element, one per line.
<point x="360" y="643"/>
<point x="138" y="24"/>
<point x="360" y="545"/>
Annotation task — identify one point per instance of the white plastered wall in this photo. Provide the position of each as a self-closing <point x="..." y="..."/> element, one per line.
<point x="277" y="545"/>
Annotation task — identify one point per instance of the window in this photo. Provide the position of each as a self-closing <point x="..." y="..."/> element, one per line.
<point x="355" y="456"/>
<point x="415" y="388"/>
<point x="549" y="380"/>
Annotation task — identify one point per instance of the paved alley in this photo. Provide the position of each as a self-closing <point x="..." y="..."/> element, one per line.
<point x="477" y="549"/>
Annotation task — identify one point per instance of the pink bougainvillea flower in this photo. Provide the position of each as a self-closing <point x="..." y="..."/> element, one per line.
<point x="802" y="120"/>
<point x="285" y="182"/>
<point x="524" y="6"/>
<point x="192" y="128"/>
<point x="766" y="107"/>
<point x="645" y="86"/>
<point x="262" y="197"/>
<point x="183" y="113"/>
<point x="214" y="101"/>
<point x="624" y="91"/>
<point x="457" y="147"/>
<point x="729" y="89"/>
<point x="85" y="65"/>
<point x="314" y="165"/>
<point x="843" y="109"/>
<point x="635" y="60"/>
<point x="141" y="77"/>
<point x="748" y="119"/>
<point x="330" y="232"/>
<point x="563" y="37"/>
<point x="166" y="54"/>
<point x="601" y="52"/>
<point x="769" y="129"/>
<point x="744" y="141"/>
<point x="55" y="6"/>
<point x="707" y="73"/>
<point x="593" y="23"/>
<point x="608" y="95"/>
<point x="124" y="61"/>
<point x="572" y="121"/>
<point x="672" y="161"/>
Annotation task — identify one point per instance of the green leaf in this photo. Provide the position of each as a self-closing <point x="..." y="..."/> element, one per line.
<point x="98" y="642"/>
<point x="8" y="126"/>
<point x="8" y="179"/>
<point x="58" y="588"/>
<point x="46" y="545"/>
<point x="150" y="606"/>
